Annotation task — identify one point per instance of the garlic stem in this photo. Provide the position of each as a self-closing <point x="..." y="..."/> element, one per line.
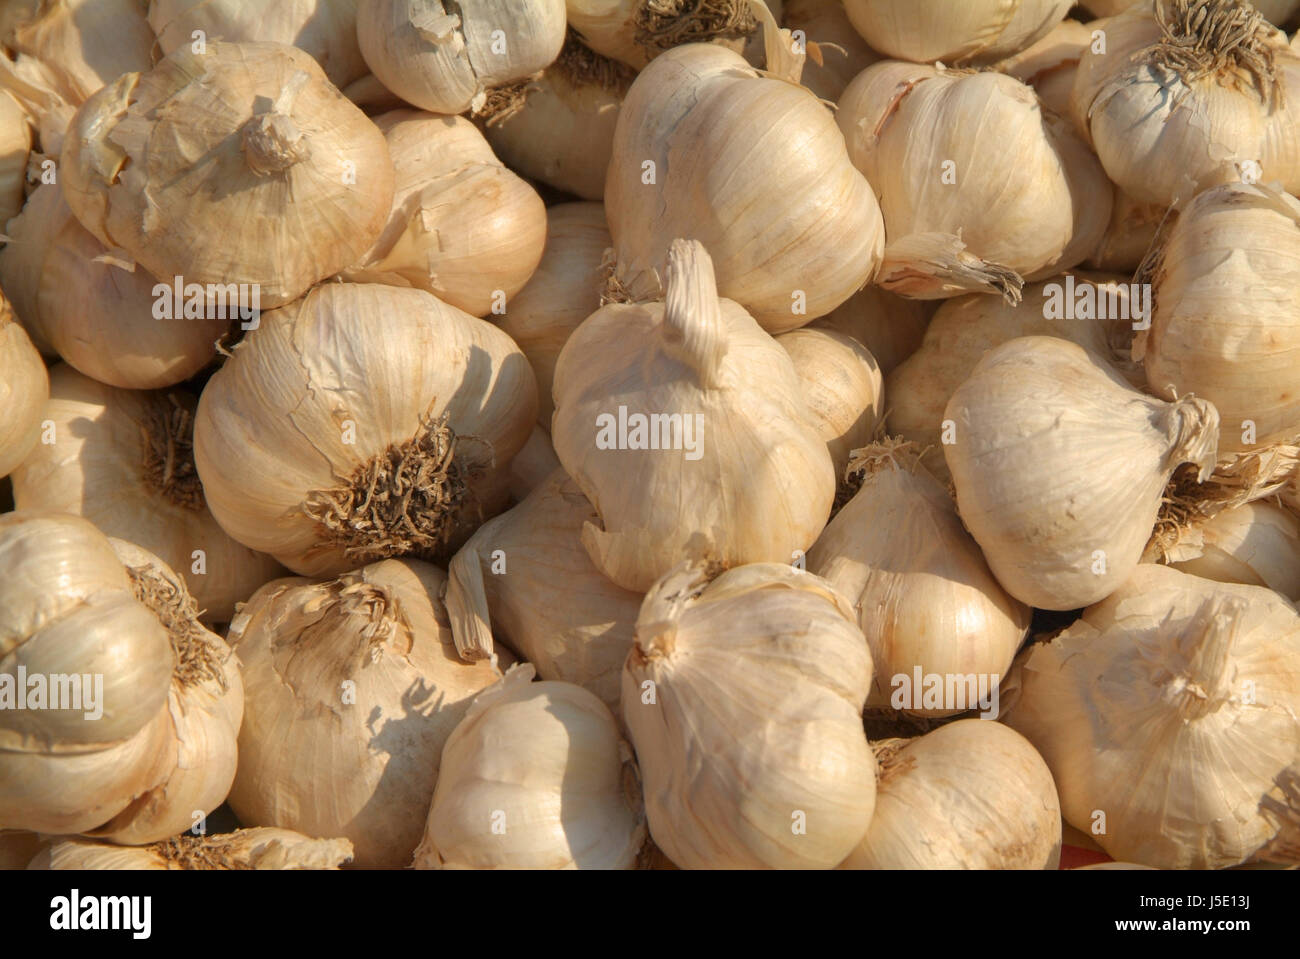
<point x="693" y="331"/>
<point x="1205" y="686"/>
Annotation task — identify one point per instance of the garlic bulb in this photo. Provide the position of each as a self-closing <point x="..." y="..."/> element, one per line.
<point x="1050" y="65"/>
<point x="124" y="460"/>
<point x="1226" y="318"/>
<point x="449" y="57"/>
<point x="327" y="29"/>
<point x="97" y="309"/>
<point x="969" y="795"/>
<point x="526" y="579"/>
<point x="695" y="155"/>
<point x="462" y="226"/>
<point x="24" y="388"/>
<point x="15" y="145"/>
<point x="1168" y="715"/>
<point x="1256" y="543"/>
<point x="681" y="421"/>
<point x="979" y="187"/>
<point x="842" y="386"/>
<point x="922" y="591"/>
<point x="1132" y="230"/>
<point x="1060" y="466"/>
<point x="533" y="464"/>
<point x="259" y="848"/>
<point x="890" y="327"/>
<point x="636" y="31"/>
<point x="1189" y="94"/>
<point x="744" y="701"/>
<point x="363" y="422"/>
<point x="975" y="31"/>
<point x="837" y="50"/>
<point x="536" y="776"/>
<point x="563" y="292"/>
<point x="281" y="145"/>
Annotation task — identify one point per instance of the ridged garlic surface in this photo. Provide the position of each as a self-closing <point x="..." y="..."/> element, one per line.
<point x="970" y="32"/>
<point x="1257" y="544"/>
<point x="24" y="388"/>
<point x="257" y="848"/>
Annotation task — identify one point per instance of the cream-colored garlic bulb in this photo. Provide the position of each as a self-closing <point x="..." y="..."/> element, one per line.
<point x="363" y="422"/>
<point x="258" y="848"/>
<point x="969" y="795"/>
<point x="890" y="327"/>
<point x="24" y="388"/>
<point x="463" y="227"/>
<point x="1171" y="708"/>
<point x="280" y="145"/>
<point x="15" y="146"/>
<point x="922" y="591"/>
<point x="636" y="31"/>
<point x="744" y="701"/>
<point x="842" y="51"/>
<point x="681" y="422"/>
<point x="1132" y="229"/>
<point x="525" y="578"/>
<point x="1256" y="543"/>
<point x="1060" y="467"/>
<point x="696" y="156"/>
<point x="99" y="311"/>
<point x="1225" y="321"/>
<point x="351" y="688"/>
<point x="980" y="188"/>
<point x="842" y="385"/>
<point x="1189" y="94"/>
<point x="563" y="292"/>
<point x="327" y="29"/>
<point x="533" y="464"/>
<point x="449" y="57"/>
<point x="124" y="460"/>
<point x="974" y="31"/>
<point x="536" y="776"/>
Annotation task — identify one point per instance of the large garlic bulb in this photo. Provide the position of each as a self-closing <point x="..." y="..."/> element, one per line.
<point x="969" y="795"/>
<point x="696" y="153"/>
<point x="258" y="848"/>
<point x="24" y="388"/>
<point x="1168" y="715"/>
<point x="840" y="52"/>
<point x="1060" y="467"/>
<point x="536" y="776"/>
<point x="973" y="31"/>
<point x="449" y="57"/>
<point x="15" y="146"/>
<point x="891" y="327"/>
<point x="124" y="460"/>
<point x="744" y="701"/>
<point x="1256" y="543"/>
<point x="681" y="422"/>
<point x="463" y="227"/>
<point x="280" y="145"/>
<point x="363" y="422"/>
<point x="636" y="31"/>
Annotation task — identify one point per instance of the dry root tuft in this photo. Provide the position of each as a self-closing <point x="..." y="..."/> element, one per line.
<point x="505" y="101"/>
<point x="664" y="24"/>
<point x="890" y="763"/>
<point x="196" y="658"/>
<point x="199" y="852"/>
<point x="168" y="440"/>
<point x="582" y="66"/>
<point x="1223" y="40"/>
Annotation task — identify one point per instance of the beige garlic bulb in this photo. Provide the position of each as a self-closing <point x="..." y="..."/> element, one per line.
<point x="15" y="146"/>
<point x="636" y="31"/>
<point x="257" y="848"/>
<point x="922" y="591"/>
<point x="1257" y="544"/>
<point x="124" y="460"/>
<point x="1060" y="466"/>
<point x="891" y="327"/>
<point x="525" y="579"/>
<point x="533" y="464"/>
<point x="1171" y="710"/>
<point x="24" y="388"/>
<point x="973" y="32"/>
<point x="744" y="700"/>
<point x="450" y="57"/>
<point x="1132" y="230"/>
<point x="462" y="227"/>
<point x="281" y="145"/>
<point x="536" y="776"/>
<point x="972" y="794"/>
<point x="681" y="421"/>
<point x="103" y="314"/>
<point x="696" y="154"/>
<point x="842" y="51"/>
<point x="363" y="422"/>
<point x="351" y="688"/>
<point x="980" y="188"/>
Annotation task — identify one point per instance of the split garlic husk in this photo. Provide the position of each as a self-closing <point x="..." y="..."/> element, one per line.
<point x="637" y="31"/>
<point x="462" y="227"/>
<point x="124" y="460"/>
<point x="258" y="848"/>
<point x="972" y="32"/>
<point x="451" y="57"/>
<point x="891" y="327"/>
<point x="281" y="145"/>
<point x="923" y="594"/>
<point x="968" y="795"/>
<point x="696" y="152"/>
<point x="351" y="688"/>
<point x="1168" y="715"/>
<point x="15" y="147"/>
<point x="1060" y="467"/>
<point x="842" y="51"/>
<point x="744" y="700"/>
<point x="525" y="578"/>
<point x="24" y="388"/>
<point x="536" y="776"/>
<point x="681" y="421"/>
<point x="1257" y="544"/>
<point x="362" y="422"/>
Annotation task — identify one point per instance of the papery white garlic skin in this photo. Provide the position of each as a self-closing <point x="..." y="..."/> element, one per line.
<point x="975" y="31"/>
<point x="256" y="848"/>
<point x="614" y="28"/>
<point x="1257" y="544"/>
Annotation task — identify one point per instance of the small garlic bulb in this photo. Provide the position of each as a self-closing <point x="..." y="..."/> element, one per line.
<point x="15" y="146"/>
<point x="972" y="32"/>
<point x="258" y="848"/>
<point x="1060" y="467"/>
<point x="449" y="57"/>
<point x="891" y="327"/>
<point x="842" y="51"/>
<point x="636" y="31"/>
<point x="536" y="776"/>
<point x="744" y="701"/>
<point x="24" y="388"/>
<point x="681" y="421"/>
<point x="1257" y="544"/>
<point x="351" y="688"/>
<point x="1171" y="708"/>
<point x="969" y="795"/>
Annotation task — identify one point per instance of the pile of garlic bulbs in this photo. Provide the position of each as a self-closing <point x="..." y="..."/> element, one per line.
<point x="637" y="434"/>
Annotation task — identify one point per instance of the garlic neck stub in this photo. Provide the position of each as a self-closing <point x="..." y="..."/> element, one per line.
<point x="973" y="32"/>
<point x="257" y="848"/>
